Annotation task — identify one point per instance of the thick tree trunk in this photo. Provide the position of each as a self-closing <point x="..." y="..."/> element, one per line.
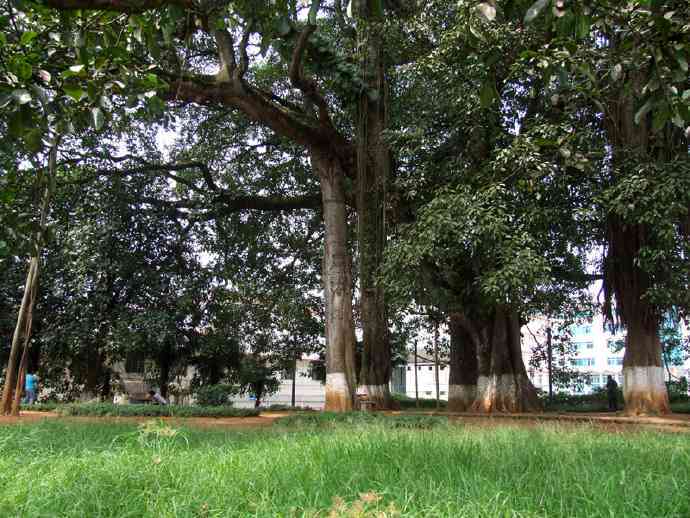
<point x="644" y="389"/>
<point x="93" y="371"/>
<point x="503" y="384"/>
<point x="337" y="285"/>
<point x="462" y="382"/>
<point x="373" y="167"/>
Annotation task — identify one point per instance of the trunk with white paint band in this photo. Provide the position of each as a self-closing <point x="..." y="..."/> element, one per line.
<point x="337" y="286"/>
<point x="644" y="389"/>
<point x="503" y="384"/>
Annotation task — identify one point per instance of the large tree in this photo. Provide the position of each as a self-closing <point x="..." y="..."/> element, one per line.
<point x="165" y="52"/>
<point x="629" y="62"/>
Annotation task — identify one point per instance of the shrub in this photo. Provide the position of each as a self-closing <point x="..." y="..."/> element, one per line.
<point x="287" y="408"/>
<point x="41" y="407"/>
<point x="214" y="395"/>
<point x="108" y="409"/>
<point x="678" y="390"/>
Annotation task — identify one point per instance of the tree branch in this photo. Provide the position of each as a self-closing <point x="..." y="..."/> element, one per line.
<point x="226" y="52"/>
<point x="296" y="73"/>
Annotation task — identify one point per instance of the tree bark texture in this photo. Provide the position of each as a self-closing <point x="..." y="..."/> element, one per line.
<point x="644" y="390"/>
<point x="373" y="166"/>
<point x="503" y="384"/>
<point x="21" y="334"/>
<point x="643" y="381"/>
<point x="464" y="373"/>
<point x="337" y="284"/>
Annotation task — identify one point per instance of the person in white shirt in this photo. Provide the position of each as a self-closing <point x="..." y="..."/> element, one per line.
<point x="156" y="398"/>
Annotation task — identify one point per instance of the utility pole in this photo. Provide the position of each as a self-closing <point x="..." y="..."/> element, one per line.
<point x="416" y="384"/>
<point x="438" y="400"/>
<point x="294" y="380"/>
<point x="549" y="353"/>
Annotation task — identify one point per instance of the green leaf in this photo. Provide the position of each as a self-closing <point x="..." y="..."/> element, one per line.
<point x="23" y="69"/>
<point x="97" y="118"/>
<point x="22" y="96"/>
<point x="33" y="138"/>
<point x="284" y="26"/>
<point x="74" y="92"/>
<point x="535" y="10"/>
<point x="643" y="111"/>
<point x="682" y="61"/>
<point x="27" y="38"/>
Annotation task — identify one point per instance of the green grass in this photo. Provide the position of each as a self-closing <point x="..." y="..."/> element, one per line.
<point x="57" y="469"/>
<point x="109" y="409"/>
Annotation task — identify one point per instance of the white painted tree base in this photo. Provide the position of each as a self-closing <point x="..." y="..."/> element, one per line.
<point x="648" y="378"/>
<point x="504" y="393"/>
<point x="338" y="396"/>
<point x="644" y="390"/>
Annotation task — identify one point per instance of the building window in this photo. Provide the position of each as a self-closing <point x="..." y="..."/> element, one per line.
<point x="615" y="361"/>
<point x="581" y="330"/>
<point x="427" y="393"/>
<point x="409" y="368"/>
<point x="584" y="346"/>
<point x="443" y="392"/>
<point x="134" y="363"/>
<point x="582" y="362"/>
<point x="431" y="368"/>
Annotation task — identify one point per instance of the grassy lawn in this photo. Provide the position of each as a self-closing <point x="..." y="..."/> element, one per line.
<point x="308" y="468"/>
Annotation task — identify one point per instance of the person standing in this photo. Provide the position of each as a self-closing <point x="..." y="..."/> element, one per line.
<point x="612" y="392"/>
<point x="30" y="386"/>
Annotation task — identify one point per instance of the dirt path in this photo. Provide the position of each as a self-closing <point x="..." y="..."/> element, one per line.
<point x="263" y="420"/>
<point x="605" y="421"/>
<point x="679" y="423"/>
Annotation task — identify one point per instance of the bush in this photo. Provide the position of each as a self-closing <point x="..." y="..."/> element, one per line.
<point x="287" y="408"/>
<point x="214" y="395"/>
<point x="108" y="409"/>
<point x="332" y="419"/>
<point x="40" y="407"/>
<point x="678" y="390"/>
